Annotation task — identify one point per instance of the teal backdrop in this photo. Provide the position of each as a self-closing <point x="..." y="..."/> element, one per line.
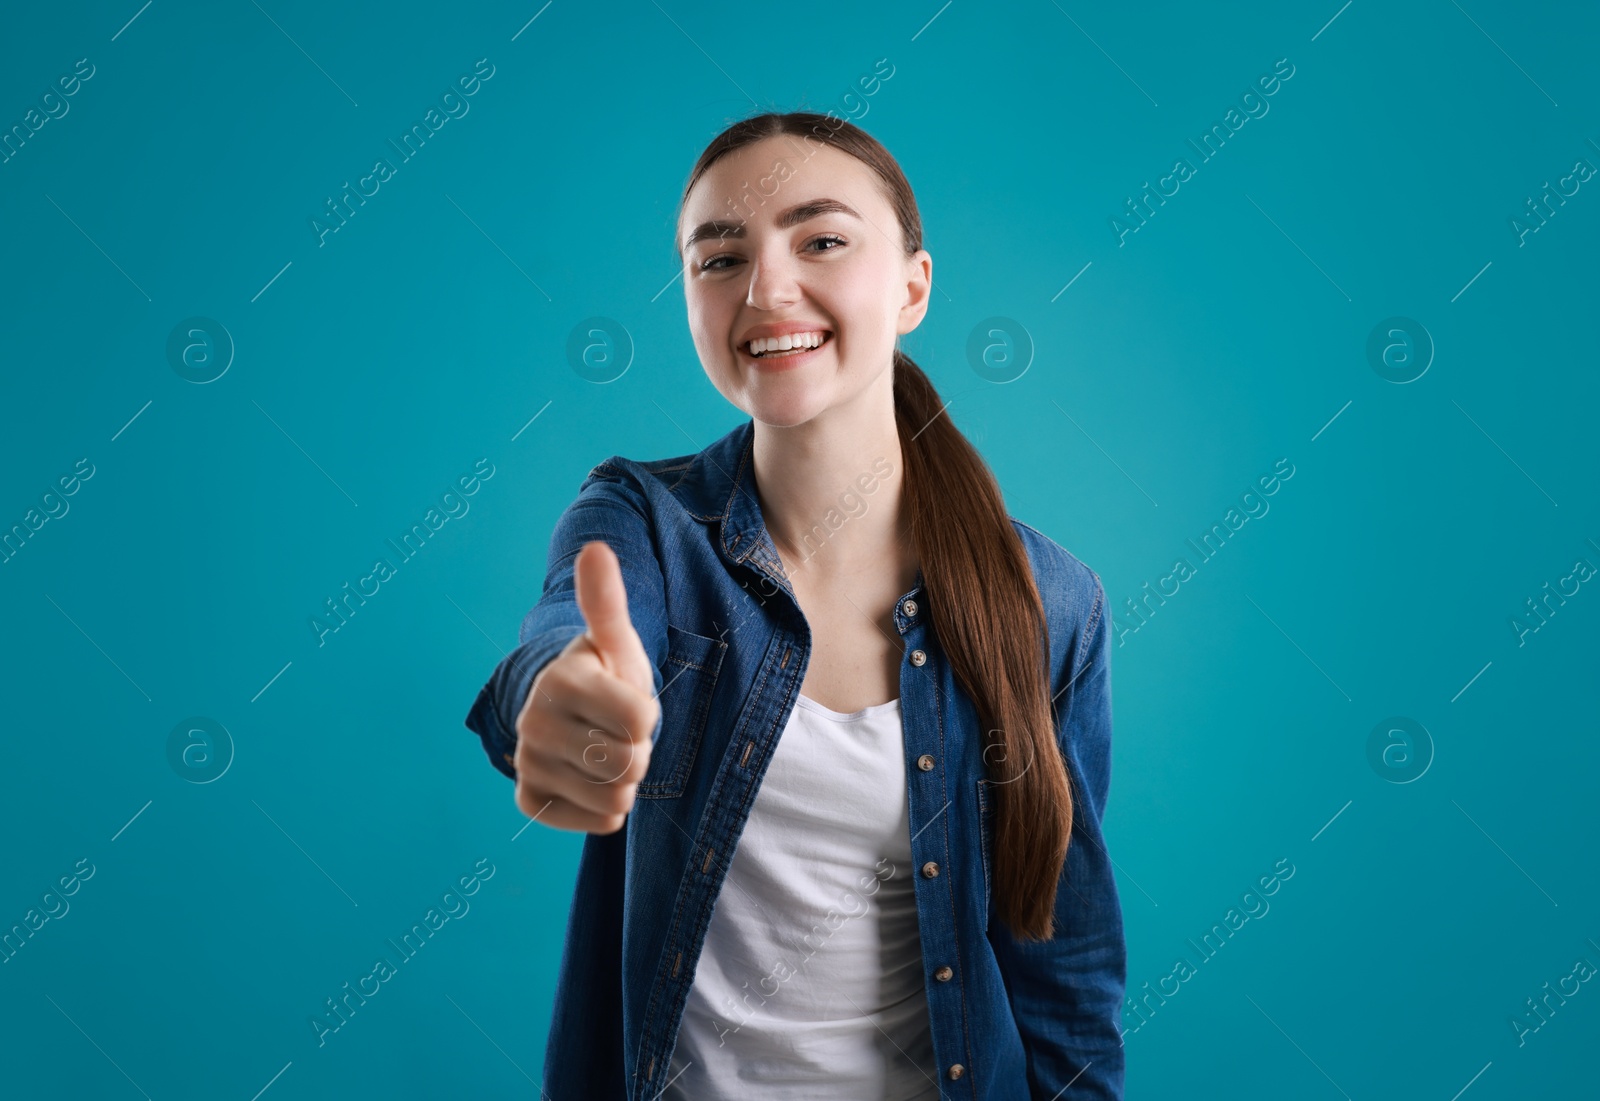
<point x="231" y="381"/>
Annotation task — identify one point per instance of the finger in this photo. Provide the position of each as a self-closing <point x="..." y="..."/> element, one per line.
<point x="603" y="602"/>
<point x="596" y="797"/>
<point x="583" y="691"/>
<point x="597" y="809"/>
<point x="560" y="814"/>
<point x="583" y="753"/>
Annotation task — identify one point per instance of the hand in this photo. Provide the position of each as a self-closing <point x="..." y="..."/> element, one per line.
<point x="583" y="737"/>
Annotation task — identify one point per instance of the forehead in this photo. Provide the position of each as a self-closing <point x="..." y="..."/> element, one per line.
<point x="753" y="184"/>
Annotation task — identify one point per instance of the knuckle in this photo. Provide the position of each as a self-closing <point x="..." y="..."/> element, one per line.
<point x="530" y="739"/>
<point x="532" y="717"/>
<point x="638" y="766"/>
<point x="527" y="801"/>
<point x="555" y="679"/>
<point x="619" y="798"/>
<point x="644" y="720"/>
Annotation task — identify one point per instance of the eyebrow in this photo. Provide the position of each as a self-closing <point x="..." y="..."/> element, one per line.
<point x="787" y="218"/>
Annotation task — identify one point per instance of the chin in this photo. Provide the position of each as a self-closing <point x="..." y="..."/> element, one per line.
<point x="780" y="418"/>
<point x="783" y="411"/>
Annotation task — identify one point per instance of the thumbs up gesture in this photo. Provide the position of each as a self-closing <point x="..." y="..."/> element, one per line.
<point x="583" y="736"/>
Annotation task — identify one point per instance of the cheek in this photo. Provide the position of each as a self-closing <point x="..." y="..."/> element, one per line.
<point x="708" y="336"/>
<point x="863" y="298"/>
<point x="711" y="306"/>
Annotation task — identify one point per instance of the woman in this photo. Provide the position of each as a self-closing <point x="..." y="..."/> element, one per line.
<point x="828" y="715"/>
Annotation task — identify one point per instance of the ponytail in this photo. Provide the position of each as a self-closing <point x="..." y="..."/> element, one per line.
<point x="988" y="618"/>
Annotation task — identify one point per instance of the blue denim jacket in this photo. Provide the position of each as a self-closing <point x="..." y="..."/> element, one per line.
<point x="730" y="646"/>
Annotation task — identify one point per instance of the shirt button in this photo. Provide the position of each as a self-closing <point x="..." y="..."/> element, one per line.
<point x="925" y="763"/>
<point x="943" y="974"/>
<point x="930" y="870"/>
<point x="909" y="607"/>
<point x="918" y="657"/>
<point x="956" y="1071"/>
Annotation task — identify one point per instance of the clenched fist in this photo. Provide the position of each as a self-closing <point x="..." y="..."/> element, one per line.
<point x="583" y="736"/>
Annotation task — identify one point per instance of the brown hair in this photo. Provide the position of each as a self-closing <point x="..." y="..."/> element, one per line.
<point x="982" y="598"/>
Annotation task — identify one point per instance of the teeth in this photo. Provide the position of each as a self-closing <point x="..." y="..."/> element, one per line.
<point x="786" y="343"/>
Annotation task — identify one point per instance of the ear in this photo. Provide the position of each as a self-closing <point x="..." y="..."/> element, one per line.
<point x="919" y="285"/>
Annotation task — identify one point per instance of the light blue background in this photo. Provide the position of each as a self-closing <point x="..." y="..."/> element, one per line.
<point x="1230" y="331"/>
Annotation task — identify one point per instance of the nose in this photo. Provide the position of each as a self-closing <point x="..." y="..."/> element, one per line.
<point x="772" y="283"/>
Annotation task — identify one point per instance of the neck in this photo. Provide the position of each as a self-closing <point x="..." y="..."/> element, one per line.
<point x="830" y="489"/>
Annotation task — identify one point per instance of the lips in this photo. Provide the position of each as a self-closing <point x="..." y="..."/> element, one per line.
<point x="782" y="360"/>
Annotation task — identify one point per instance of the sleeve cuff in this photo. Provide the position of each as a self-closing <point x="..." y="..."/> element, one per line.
<point x="494" y="713"/>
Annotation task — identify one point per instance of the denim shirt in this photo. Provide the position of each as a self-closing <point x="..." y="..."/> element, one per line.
<point x="709" y="599"/>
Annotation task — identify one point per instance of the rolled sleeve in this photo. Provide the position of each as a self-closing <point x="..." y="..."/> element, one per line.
<point x="1067" y="993"/>
<point x="607" y="509"/>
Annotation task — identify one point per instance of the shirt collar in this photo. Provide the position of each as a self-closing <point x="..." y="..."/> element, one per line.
<point x="717" y="486"/>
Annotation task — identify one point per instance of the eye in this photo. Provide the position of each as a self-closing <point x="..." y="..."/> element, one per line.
<point x="712" y="264"/>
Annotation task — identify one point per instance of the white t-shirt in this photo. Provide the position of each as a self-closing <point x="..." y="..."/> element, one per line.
<point x="810" y="985"/>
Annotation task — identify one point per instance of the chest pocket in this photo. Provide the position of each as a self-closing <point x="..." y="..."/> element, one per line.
<point x="986" y="836"/>
<point x="693" y="662"/>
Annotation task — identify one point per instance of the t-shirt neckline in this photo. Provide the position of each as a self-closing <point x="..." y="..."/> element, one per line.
<point x="868" y="712"/>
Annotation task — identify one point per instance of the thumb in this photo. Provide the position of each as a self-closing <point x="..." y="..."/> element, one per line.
<point x="603" y="602"/>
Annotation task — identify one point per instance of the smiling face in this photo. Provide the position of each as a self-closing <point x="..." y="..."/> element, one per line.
<point x="805" y="246"/>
